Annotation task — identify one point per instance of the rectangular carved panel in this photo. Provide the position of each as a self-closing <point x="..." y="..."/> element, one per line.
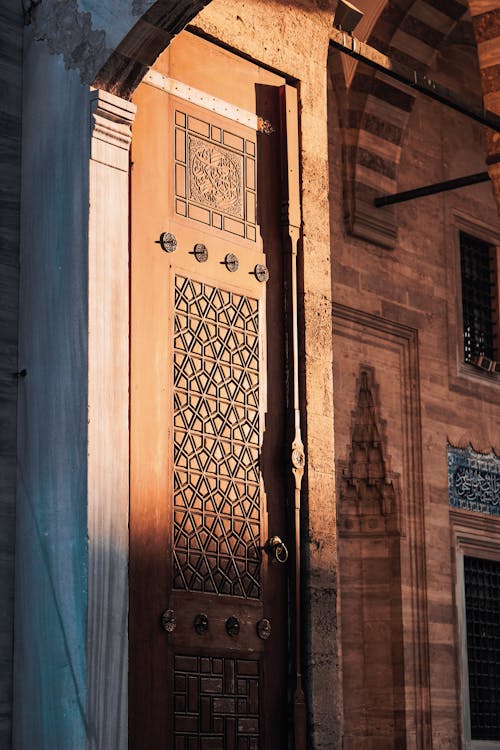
<point x="216" y="703"/>
<point x="215" y="176"/>
<point x="216" y="441"/>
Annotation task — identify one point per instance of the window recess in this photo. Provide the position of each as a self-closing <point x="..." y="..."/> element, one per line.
<point x="482" y="612"/>
<point x="479" y="302"/>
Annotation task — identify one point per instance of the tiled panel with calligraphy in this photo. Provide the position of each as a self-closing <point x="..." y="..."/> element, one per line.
<point x="216" y="441"/>
<point x="474" y="480"/>
<point x="215" y="176"/>
<point x="216" y="703"/>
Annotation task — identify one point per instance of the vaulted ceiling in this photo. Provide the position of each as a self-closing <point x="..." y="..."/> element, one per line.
<point x="375" y="111"/>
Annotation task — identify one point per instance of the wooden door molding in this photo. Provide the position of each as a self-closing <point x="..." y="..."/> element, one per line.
<point x="208" y="480"/>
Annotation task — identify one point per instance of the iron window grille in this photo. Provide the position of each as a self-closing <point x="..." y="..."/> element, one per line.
<point x="482" y="612"/>
<point x="479" y="298"/>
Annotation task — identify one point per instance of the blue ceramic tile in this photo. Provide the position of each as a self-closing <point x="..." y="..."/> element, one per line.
<point x="474" y="480"/>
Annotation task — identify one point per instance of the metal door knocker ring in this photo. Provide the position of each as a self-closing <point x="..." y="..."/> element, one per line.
<point x="276" y="549"/>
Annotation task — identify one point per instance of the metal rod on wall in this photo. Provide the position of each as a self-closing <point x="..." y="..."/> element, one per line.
<point x="349" y="45"/>
<point x="437" y="187"/>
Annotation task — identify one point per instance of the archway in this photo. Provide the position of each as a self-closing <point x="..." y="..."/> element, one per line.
<point x="376" y="109"/>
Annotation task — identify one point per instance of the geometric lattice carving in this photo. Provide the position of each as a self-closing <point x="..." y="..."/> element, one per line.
<point x="215" y="176"/>
<point x="216" y="441"/>
<point x="369" y="492"/>
<point x="216" y="703"/>
<point x="474" y="480"/>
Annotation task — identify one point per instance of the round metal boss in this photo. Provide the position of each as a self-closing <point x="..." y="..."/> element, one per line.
<point x="168" y="242"/>
<point x="168" y="621"/>
<point x="231" y="262"/>
<point x="200" y="252"/>
<point x="201" y="623"/>
<point x="232" y="626"/>
<point x="261" y="272"/>
<point x="264" y="629"/>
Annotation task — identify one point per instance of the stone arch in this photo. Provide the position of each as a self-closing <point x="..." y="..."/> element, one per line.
<point x="377" y="109"/>
<point x="125" y="68"/>
<point x="486" y="23"/>
<point x="111" y="45"/>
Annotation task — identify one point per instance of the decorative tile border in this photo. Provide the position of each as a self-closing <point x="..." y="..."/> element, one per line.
<point x="474" y="480"/>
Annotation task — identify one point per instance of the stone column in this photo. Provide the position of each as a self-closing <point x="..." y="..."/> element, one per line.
<point x="108" y="426"/>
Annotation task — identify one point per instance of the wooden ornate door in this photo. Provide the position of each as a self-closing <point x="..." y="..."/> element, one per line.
<point x="208" y="605"/>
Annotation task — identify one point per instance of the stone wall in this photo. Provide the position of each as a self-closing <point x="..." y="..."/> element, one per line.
<point x="11" y="34"/>
<point x="382" y="298"/>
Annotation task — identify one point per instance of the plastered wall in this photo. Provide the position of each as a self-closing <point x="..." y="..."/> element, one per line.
<point x="51" y="566"/>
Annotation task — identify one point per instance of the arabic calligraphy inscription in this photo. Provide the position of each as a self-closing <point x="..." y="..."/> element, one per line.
<point x="474" y="480"/>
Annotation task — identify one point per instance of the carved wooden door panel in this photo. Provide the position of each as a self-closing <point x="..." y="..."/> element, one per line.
<point x="208" y="606"/>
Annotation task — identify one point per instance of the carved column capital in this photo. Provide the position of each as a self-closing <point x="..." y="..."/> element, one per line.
<point x="110" y="129"/>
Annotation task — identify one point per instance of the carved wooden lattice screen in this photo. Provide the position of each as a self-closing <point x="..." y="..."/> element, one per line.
<point x="216" y="441"/>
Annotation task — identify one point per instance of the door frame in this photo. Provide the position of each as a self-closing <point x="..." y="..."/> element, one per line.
<point x="290" y="231"/>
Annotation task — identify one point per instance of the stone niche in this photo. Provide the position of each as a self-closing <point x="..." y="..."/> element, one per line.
<point x="382" y="607"/>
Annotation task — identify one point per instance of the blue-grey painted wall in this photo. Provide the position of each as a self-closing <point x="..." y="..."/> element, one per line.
<point x="85" y="32"/>
<point x="51" y="563"/>
<point x="11" y="36"/>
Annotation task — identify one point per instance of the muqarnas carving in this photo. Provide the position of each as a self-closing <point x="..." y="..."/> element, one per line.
<point x="369" y="492"/>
